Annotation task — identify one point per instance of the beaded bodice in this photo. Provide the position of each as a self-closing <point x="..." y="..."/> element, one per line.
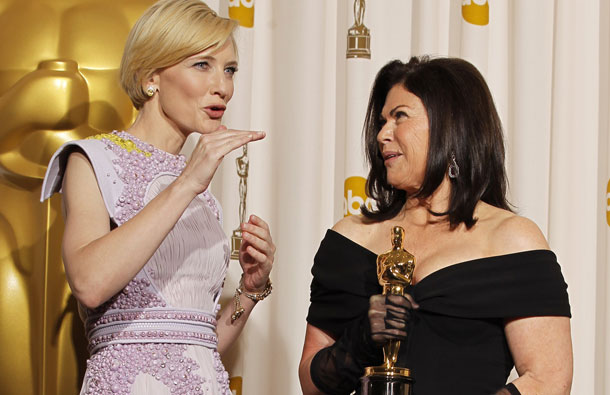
<point x="188" y="268"/>
<point x="173" y="300"/>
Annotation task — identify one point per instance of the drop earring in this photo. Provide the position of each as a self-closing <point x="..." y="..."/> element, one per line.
<point x="454" y="169"/>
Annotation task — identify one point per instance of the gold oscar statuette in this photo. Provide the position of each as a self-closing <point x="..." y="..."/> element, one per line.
<point x="394" y="272"/>
<point x="358" y="36"/>
<point x="243" y="164"/>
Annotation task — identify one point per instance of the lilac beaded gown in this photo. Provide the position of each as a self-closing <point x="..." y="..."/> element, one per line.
<point x="158" y="335"/>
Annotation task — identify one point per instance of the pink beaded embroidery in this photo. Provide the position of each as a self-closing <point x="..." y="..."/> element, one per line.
<point x="155" y="336"/>
<point x="222" y="377"/>
<point x="113" y="370"/>
<point x="117" y="316"/>
<point x="138" y="164"/>
<point x="138" y="294"/>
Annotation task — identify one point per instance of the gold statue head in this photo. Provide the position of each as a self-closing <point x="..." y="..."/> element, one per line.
<point x="167" y="33"/>
<point x="395" y="267"/>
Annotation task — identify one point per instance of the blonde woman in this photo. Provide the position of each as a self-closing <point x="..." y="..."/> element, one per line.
<point x="144" y="250"/>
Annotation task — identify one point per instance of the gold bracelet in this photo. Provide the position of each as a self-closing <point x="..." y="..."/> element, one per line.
<point x="256" y="296"/>
<point x="238" y="310"/>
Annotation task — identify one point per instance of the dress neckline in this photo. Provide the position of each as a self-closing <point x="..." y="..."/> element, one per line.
<point x="146" y="146"/>
<point x="463" y="265"/>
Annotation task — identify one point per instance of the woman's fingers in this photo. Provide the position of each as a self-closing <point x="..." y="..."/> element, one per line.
<point x="377" y="302"/>
<point x="224" y="134"/>
<point x="257" y="228"/>
<point x="221" y="142"/>
<point x="256" y="254"/>
<point x="388" y="316"/>
<point x="258" y="244"/>
<point x="209" y="152"/>
<point x="256" y="233"/>
<point x="398" y="302"/>
<point x="224" y="141"/>
<point x="254" y="220"/>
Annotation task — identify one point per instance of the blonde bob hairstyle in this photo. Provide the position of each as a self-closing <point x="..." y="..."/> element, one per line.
<point x="167" y="33"/>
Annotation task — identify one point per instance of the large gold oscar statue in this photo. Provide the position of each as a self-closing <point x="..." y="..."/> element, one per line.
<point x="395" y="273"/>
<point x="58" y="81"/>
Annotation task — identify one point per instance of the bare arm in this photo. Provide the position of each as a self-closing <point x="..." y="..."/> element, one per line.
<point x="542" y="351"/>
<point x="315" y="340"/>
<point x="541" y="346"/>
<point x="100" y="262"/>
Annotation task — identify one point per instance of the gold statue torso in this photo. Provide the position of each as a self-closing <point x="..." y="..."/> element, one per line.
<point x="395" y="267"/>
<point x="59" y="63"/>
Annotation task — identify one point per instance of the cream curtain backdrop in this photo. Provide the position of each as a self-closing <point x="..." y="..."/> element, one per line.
<point x="547" y="64"/>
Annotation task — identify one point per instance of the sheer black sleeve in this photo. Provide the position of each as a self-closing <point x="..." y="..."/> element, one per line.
<point x="336" y="370"/>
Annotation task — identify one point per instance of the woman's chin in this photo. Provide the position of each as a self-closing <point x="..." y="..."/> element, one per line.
<point x="209" y="126"/>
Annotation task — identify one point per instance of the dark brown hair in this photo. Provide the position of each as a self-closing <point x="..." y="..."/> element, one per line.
<point x="463" y="121"/>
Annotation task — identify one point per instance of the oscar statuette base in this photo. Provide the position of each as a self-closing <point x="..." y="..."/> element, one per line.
<point x="236" y="240"/>
<point x="381" y="380"/>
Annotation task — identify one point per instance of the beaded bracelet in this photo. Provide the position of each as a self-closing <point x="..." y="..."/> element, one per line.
<point x="255" y="296"/>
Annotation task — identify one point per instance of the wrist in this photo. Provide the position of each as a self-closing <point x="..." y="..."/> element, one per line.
<point x="253" y="296"/>
<point x="250" y="290"/>
<point x="183" y="187"/>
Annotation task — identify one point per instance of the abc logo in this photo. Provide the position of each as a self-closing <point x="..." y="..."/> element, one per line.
<point x="242" y="11"/>
<point x="476" y="12"/>
<point x="245" y="3"/>
<point x="355" y="196"/>
<point x="608" y="203"/>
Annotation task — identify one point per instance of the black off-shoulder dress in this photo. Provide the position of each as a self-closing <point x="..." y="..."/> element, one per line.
<point x="456" y="342"/>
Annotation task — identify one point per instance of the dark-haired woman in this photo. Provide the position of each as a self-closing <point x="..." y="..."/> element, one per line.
<point x="488" y="293"/>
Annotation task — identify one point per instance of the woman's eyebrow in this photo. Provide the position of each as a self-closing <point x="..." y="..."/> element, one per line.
<point x="393" y="111"/>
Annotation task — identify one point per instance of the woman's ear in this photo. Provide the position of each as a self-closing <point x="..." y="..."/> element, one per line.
<point x="152" y="80"/>
<point x="150" y="85"/>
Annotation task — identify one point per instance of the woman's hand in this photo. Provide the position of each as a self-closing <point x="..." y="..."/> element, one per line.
<point x="256" y="254"/>
<point x="388" y="316"/>
<point x="209" y="152"/>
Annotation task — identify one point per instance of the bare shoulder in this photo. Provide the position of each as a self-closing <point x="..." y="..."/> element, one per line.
<point x="79" y="187"/>
<point x="79" y="173"/>
<point x="355" y="227"/>
<point x="510" y="233"/>
<point x="78" y="164"/>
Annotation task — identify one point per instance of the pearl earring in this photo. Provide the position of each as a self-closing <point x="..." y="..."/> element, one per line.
<point x="150" y="91"/>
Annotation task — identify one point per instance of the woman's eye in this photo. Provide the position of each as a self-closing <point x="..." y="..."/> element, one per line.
<point x="202" y="65"/>
<point x="400" y="114"/>
<point x="231" y="70"/>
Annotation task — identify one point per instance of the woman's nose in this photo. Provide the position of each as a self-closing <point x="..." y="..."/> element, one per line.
<point x="386" y="133"/>
<point x="220" y="85"/>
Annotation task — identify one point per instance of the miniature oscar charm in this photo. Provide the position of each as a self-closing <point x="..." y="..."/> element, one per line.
<point x="243" y="165"/>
